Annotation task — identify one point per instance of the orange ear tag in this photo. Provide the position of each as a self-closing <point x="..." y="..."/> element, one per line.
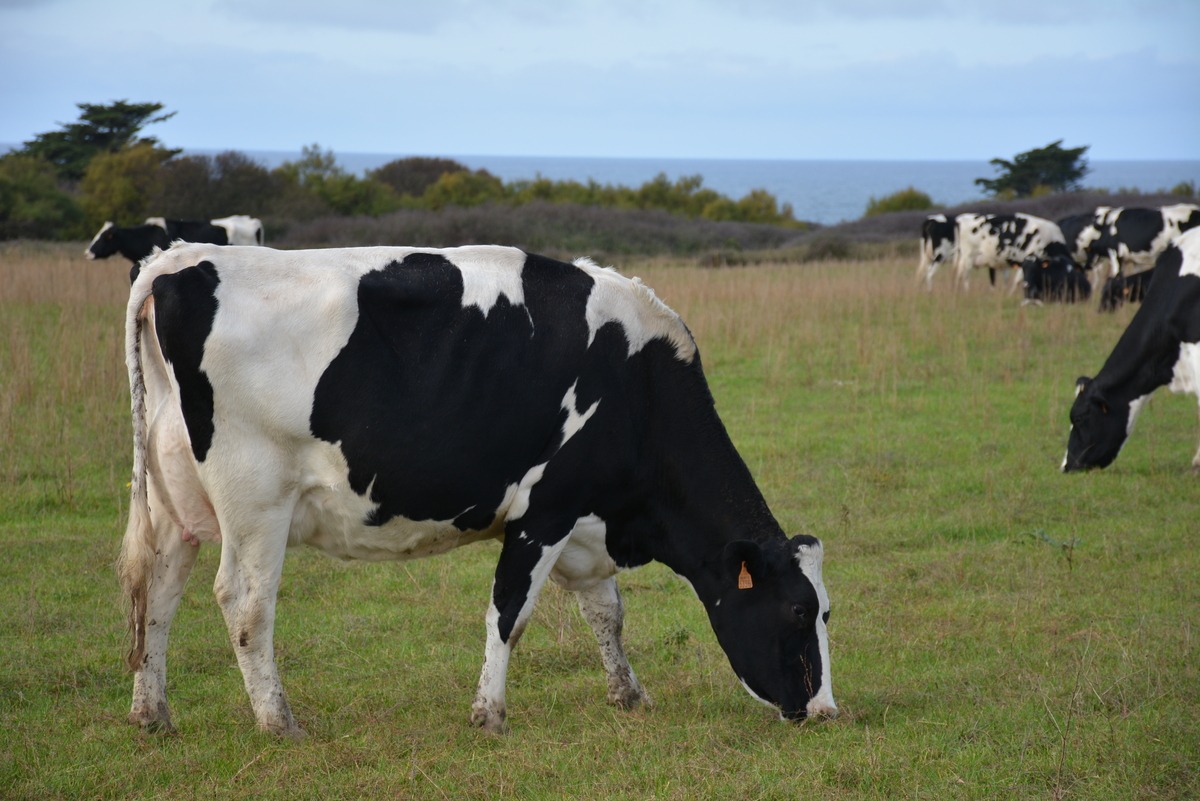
<point x="744" y="580"/>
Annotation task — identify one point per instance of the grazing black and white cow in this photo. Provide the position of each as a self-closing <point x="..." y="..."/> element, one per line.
<point x="394" y="403"/>
<point x="239" y="229"/>
<point x="1079" y="231"/>
<point x="1133" y="238"/>
<point x="937" y="246"/>
<point x="134" y="243"/>
<point x="1121" y="288"/>
<point x="999" y="241"/>
<point x="1054" y="280"/>
<point x="1160" y="347"/>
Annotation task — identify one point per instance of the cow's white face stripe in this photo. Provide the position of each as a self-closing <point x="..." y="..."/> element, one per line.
<point x="810" y="559"/>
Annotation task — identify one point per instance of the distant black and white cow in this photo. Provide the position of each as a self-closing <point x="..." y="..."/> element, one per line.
<point x="999" y="241"/>
<point x="394" y="403"/>
<point x="937" y="246"/>
<point x="1054" y="280"/>
<point x="1125" y="288"/>
<point x="1133" y="238"/>
<point x="1079" y="231"/>
<point x="239" y="229"/>
<point x="1160" y="347"/>
<point x="134" y="243"/>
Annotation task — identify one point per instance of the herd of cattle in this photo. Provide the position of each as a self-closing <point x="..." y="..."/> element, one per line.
<point x="1054" y="259"/>
<point x="395" y="403"/>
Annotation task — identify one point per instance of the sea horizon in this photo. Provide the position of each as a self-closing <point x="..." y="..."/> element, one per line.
<point x="825" y="191"/>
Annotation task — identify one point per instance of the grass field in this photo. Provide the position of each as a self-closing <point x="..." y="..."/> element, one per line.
<point x="999" y="630"/>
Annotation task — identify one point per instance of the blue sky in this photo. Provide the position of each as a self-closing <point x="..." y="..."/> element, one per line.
<point x="908" y="79"/>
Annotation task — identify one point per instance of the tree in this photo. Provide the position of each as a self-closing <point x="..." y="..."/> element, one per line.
<point x="202" y="187"/>
<point x="1052" y="168"/>
<point x="100" y="129"/>
<point x="118" y="186"/>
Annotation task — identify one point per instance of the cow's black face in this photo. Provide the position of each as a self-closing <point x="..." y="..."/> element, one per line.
<point x="770" y="619"/>
<point x="1098" y="429"/>
<point x="104" y="244"/>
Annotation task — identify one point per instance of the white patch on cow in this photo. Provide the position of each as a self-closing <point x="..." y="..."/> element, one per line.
<point x="489" y="273"/>
<point x="330" y="516"/>
<point x="585" y="561"/>
<point x="241" y="229"/>
<point x="516" y="498"/>
<point x="96" y="239"/>
<point x="810" y="559"/>
<point x="635" y="307"/>
<point x="161" y="222"/>
<point x="575" y="419"/>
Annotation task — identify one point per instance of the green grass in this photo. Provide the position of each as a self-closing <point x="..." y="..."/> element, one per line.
<point x="999" y="630"/>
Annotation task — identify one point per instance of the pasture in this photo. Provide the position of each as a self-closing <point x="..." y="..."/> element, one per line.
<point x="999" y="630"/>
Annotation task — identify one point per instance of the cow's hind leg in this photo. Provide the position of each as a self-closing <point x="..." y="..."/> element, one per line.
<point x="602" y="608"/>
<point x="173" y="562"/>
<point x="586" y="568"/>
<point x="252" y="552"/>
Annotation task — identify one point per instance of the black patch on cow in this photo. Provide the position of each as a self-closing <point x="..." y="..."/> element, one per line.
<point x="134" y="243"/>
<point x="439" y="409"/>
<point x="185" y="307"/>
<point x="196" y="231"/>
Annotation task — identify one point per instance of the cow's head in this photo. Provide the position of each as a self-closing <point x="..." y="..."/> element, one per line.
<point x="770" y="617"/>
<point x="1054" y="278"/>
<point x="1099" y="427"/>
<point x="103" y="244"/>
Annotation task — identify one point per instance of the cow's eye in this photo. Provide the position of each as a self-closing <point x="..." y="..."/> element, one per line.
<point x="801" y="614"/>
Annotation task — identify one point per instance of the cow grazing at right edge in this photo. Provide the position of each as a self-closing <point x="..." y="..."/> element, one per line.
<point x="1160" y="347"/>
<point x="937" y="246"/>
<point x="394" y="403"/>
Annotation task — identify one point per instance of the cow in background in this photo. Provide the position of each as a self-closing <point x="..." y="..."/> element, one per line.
<point x="1132" y="238"/>
<point x="937" y="246"/>
<point x="134" y="243"/>
<point x="1079" y="231"/>
<point x="1054" y="280"/>
<point x="1160" y="347"/>
<point x="1002" y="241"/>
<point x="239" y="229"/>
<point x="1121" y="288"/>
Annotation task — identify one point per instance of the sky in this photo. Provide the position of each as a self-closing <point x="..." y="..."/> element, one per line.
<point x="770" y="79"/>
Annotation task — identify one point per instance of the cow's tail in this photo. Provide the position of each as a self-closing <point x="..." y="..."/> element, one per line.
<point x="135" y="565"/>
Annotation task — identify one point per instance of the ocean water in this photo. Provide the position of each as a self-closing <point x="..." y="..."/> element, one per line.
<point x="826" y="192"/>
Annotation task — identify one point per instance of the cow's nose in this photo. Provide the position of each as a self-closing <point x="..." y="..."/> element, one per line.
<point x="821" y="708"/>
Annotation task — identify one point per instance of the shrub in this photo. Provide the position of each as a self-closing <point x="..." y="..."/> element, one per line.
<point x="910" y="199"/>
<point x="410" y="177"/>
<point x="32" y="206"/>
<point x="118" y="186"/>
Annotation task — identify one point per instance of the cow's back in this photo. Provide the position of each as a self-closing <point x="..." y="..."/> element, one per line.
<point x="394" y="386"/>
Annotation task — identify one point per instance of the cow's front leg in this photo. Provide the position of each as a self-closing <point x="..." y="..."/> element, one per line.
<point x="525" y="562"/>
<point x="173" y="562"/>
<point x="246" y="586"/>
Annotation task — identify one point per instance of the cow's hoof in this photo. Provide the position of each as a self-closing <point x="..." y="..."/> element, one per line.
<point x="628" y="696"/>
<point x="156" y="720"/>
<point x="490" y="720"/>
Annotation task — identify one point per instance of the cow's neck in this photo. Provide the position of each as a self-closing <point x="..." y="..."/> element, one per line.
<point x="703" y="495"/>
<point x="1143" y="359"/>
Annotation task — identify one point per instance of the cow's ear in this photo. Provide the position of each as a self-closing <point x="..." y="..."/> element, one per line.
<point x="1101" y="403"/>
<point x="743" y="564"/>
<point x="1081" y="384"/>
